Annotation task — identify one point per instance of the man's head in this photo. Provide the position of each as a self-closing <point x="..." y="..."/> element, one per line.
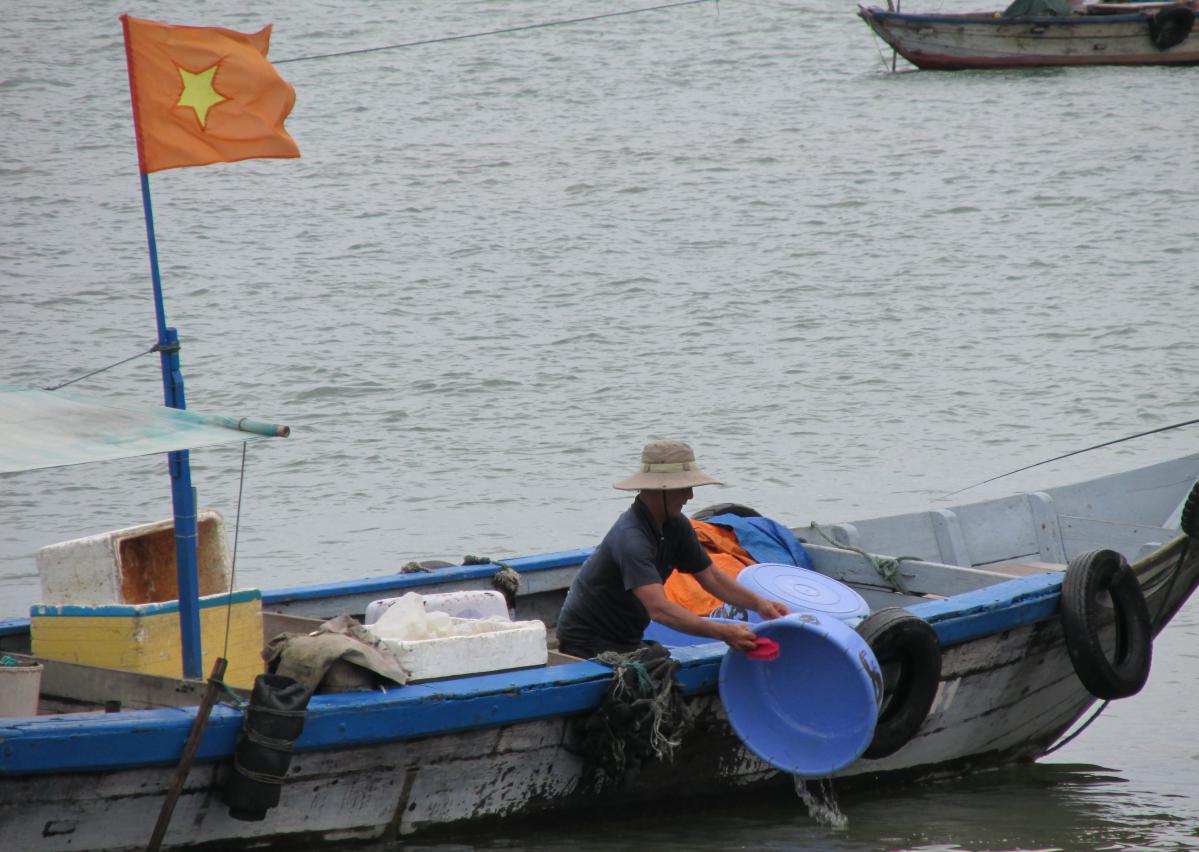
<point x="670" y="501"/>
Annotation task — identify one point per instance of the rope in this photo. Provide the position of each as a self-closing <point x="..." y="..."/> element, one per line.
<point x="278" y="711"/>
<point x="878" y="47"/>
<point x="619" y="688"/>
<point x="157" y="347"/>
<point x="230" y="696"/>
<point x="886" y="566"/>
<point x="1063" y="742"/>
<point x="505" y="580"/>
<point x="1076" y="452"/>
<point x="260" y="777"/>
<point x="273" y="743"/>
<point x="481" y="560"/>
<point x="504" y="31"/>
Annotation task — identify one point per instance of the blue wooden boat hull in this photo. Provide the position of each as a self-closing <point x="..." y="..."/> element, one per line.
<point x="449" y="754"/>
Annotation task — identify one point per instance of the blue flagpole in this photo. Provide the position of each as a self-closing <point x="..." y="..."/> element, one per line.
<point x="183" y="496"/>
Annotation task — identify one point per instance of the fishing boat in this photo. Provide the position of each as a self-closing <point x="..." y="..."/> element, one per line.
<point x="985" y="632"/>
<point x="1032" y="607"/>
<point x="1026" y="37"/>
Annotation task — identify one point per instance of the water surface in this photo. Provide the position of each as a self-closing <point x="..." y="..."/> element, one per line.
<point x="503" y="264"/>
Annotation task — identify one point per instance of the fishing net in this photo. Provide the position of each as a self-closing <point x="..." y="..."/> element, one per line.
<point x="643" y="715"/>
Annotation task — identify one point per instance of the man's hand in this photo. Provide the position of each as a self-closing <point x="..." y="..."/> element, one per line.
<point x="737" y="636"/>
<point x="769" y="609"/>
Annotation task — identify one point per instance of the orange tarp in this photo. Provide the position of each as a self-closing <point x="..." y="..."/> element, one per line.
<point x="727" y="556"/>
<point x="204" y="95"/>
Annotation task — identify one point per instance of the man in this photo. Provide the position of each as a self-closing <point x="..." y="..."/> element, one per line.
<point x="620" y="589"/>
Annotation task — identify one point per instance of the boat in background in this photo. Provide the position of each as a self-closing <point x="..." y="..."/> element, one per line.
<point x="1097" y="34"/>
<point x="985" y="619"/>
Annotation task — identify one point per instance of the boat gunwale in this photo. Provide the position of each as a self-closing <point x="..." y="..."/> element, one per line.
<point x="989" y="19"/>
<point x="51" y="744"/>
<point x="416" y="579"/>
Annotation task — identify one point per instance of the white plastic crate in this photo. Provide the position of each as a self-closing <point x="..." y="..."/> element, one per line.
<point x="435" y="644"/>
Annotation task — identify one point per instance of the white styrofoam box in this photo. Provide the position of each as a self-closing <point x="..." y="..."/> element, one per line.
<point x="135" y="565"/>
<point x="473" y="604"/>
<point x="477" y="646"/>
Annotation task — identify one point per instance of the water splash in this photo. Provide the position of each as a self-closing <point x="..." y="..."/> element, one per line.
<point x="821" y="802"/>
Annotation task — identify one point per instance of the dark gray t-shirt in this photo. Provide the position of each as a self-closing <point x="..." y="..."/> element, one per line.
<point x="601" y="612"/>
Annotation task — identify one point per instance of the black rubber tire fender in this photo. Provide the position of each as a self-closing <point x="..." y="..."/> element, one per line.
<point x="1088" y="577"/>
<point x="725" y="509"/>
<point x="1171" y="26"/>
<point x="1190" y="513"/>
<point x="909" y="655"/>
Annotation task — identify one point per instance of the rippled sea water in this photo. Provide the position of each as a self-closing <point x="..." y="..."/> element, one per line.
<point x="502" y="264"/>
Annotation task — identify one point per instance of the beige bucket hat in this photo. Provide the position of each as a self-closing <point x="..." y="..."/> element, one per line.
<point x="666" y="465"/>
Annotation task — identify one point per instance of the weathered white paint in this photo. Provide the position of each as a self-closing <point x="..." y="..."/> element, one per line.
<point x="1004" y="697"/>
<point x="919" y="577"/>
<point x="995" y="697"/>
<point x="1046" y="527"/>
<point x="950" y="542"/>
<point x="1080" y="534"/>
<point x="980" y="41"/>
<point x="1012" y="691"/>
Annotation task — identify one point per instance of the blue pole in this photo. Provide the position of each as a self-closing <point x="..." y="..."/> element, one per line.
<point x="183" y="496"/>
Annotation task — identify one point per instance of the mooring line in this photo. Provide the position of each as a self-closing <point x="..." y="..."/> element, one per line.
<point x="155" y="348"/>
<point x="503" y="31"/>
<point x="1076" y="452"/>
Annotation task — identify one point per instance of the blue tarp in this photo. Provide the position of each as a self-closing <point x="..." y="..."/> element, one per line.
<point x="765" y="540"/>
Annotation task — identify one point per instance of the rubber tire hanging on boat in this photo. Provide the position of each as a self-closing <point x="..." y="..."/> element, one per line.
<point x="1171" y="26"/>
<point x="726" y="509"/>
<point x="1088" y="577"/>
<point x="1190" y="513"/>
<point x="273" y="720"/>
<point x="909" y="654"/>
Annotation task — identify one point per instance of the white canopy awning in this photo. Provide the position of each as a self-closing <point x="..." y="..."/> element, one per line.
<point x="40" y="428"/>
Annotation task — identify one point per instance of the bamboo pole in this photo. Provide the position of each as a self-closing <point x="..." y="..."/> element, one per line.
<point x="189" y="753"/>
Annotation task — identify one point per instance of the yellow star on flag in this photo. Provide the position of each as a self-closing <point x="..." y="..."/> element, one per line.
<point x="198" y="93"/>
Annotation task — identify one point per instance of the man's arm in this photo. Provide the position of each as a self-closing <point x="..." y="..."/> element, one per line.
<point x="716" y="582"/>
<point x="665" y="611"/>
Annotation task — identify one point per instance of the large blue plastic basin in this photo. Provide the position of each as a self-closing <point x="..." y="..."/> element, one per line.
<point x="812" y="711"/>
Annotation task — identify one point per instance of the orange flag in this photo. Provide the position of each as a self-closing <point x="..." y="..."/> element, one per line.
<point x="204" y="95"/>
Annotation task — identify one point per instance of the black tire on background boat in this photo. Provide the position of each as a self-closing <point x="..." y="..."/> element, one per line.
<point x="1171" y="26"/>
<point x="726" y="509"/>
<point x="1190" y="513"/>
<point x="910" y="657"/>
<point x="1090" y="577"/>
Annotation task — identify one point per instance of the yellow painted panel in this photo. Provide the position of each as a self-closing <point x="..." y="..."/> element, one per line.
<point x="149" y="643"/>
